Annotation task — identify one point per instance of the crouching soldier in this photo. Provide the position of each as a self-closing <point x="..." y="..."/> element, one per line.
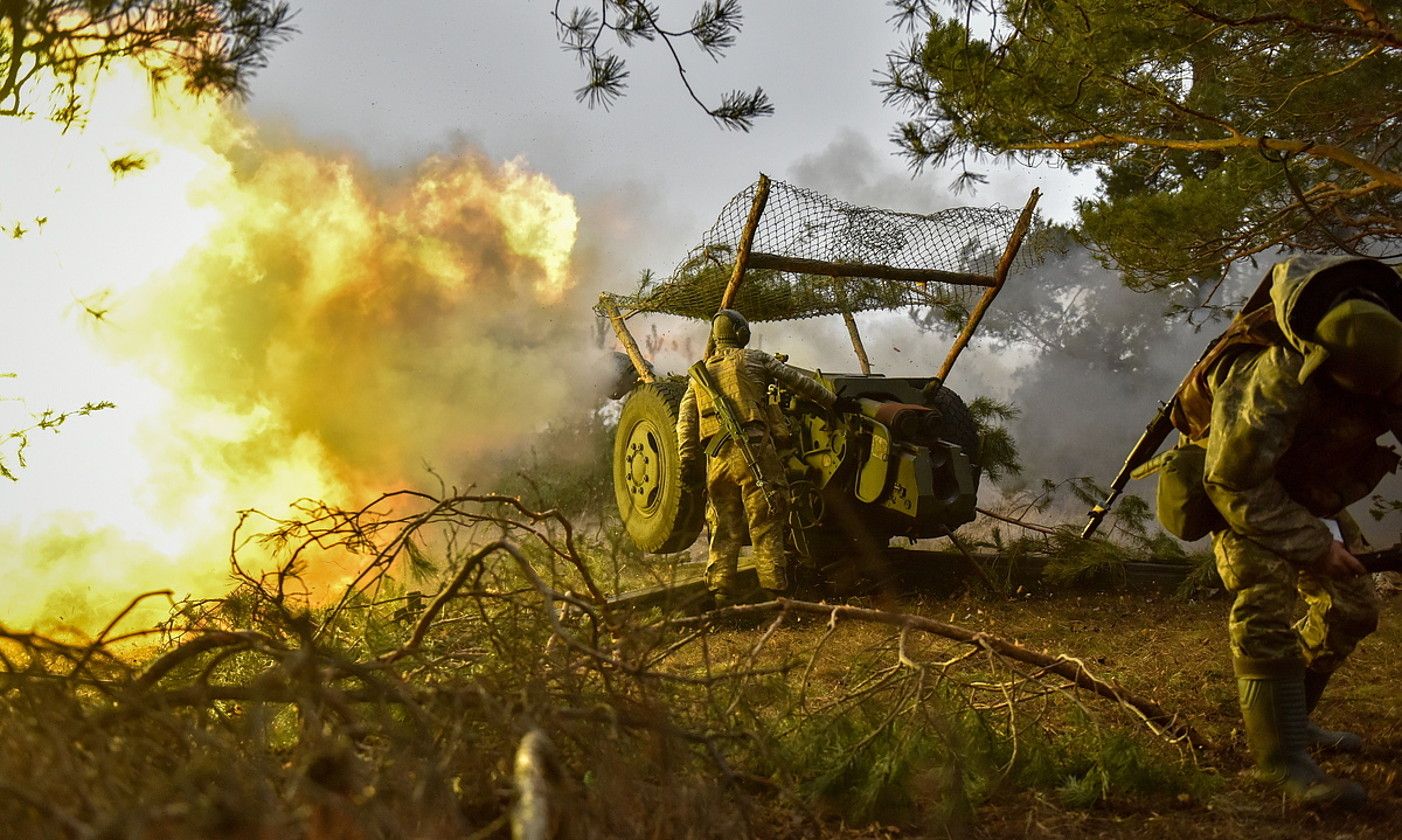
<point x="742" y="491"/>
<point x="1293" y="422"/>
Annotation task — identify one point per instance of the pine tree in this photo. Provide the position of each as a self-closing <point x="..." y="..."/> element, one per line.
<point x="211" y="46"/>
<point x="1218" y="129"/>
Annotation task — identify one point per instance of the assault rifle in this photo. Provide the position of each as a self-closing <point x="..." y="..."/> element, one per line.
<point x="1382" y="560"/>
<point x="730" y="429"/>
<point x="1154" y="435"/>
<point x="1159" y="427"/>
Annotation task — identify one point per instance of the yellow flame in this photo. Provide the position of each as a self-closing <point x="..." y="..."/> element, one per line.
<point x="273" y="323"/>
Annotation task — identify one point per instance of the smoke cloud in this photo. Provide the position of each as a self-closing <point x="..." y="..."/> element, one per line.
<point x="392" y="324"/>
<point x="274" y="321"/>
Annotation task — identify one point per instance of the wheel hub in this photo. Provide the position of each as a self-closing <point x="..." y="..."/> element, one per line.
<point x="643" y="468"/>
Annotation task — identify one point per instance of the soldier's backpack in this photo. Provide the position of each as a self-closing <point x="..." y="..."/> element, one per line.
<point x="1181" y="502"/>
<point x="1183" y="507"/>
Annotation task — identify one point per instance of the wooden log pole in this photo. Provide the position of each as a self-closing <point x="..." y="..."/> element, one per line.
<point x="1005" y="262"/>
<point x="857" y="345"/>
<point x="847" y="318"/>
<point x="802" y="265"/>
<point x="747" y="239"/>
<point x="625" y="338"/>
<point x="742" y="251"/>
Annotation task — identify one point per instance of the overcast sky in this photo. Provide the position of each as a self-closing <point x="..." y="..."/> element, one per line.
<point x="395" y="81"/>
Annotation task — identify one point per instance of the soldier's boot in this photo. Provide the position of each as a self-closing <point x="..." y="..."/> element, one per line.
<point x="717" y="599"/>
<point x="1272" y="694"/>
<point x="1320" y="738"/>
<point x="774" y="593"/>
<point x="774" y="577"/>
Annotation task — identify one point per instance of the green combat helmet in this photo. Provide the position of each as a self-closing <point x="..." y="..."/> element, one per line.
<point x="1359" y="344"/>
<point x="730" y="327"/>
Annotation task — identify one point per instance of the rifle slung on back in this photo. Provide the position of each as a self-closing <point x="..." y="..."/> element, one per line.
<point x="731" y="429"/>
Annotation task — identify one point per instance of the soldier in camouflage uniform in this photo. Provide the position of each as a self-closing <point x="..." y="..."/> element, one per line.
<point x="736" y="498"/>
<point x="1292" y="441"/>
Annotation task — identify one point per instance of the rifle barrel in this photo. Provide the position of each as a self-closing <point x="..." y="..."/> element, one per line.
<point x="1162" y="424"/>
<point x="1144" y="449"/>
<point x="1383" y="560"/>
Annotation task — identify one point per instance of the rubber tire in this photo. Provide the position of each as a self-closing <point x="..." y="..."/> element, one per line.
<point x="957" y="424"/>
<point x="660" y="513"/>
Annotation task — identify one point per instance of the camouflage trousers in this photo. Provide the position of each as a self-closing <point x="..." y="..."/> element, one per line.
<point x="737" y="503"/>
<point x="1338" y="613"/>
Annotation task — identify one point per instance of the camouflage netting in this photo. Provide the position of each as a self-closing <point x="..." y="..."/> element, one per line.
<point x="965" y="242"/>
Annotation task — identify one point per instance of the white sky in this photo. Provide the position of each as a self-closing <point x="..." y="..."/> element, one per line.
<point x="395" y="81"/>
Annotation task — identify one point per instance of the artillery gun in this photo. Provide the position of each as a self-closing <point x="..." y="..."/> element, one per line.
<point x="903" y="460"/>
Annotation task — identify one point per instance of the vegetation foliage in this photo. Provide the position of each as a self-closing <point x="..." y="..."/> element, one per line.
<point x="712" y="29"/>
<point x="50" y="55"/>
<point x="1218" y="130"/>
<point x="15" y="442"/>
<point x="401" y="707"/>
<point x="212" y="46"/>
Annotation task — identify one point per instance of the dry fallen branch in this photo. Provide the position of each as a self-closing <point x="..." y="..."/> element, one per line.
<point x="320" y="699"/>
<point x="1159" y="720"/>
<point x="192" y="648"/>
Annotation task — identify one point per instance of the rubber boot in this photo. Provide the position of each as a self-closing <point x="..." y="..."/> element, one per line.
<point x="774" y="593"/>
<point x="746" y="621"/>
<point x="719" y="599"/>
<point x="780" y="584"/>
<point x="1272" y="694"/>
<point x="1320" y="738"/>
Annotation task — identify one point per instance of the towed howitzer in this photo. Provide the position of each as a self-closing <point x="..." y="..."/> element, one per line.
<point x="1162" y="423"/>
<point x="730" y="429"/>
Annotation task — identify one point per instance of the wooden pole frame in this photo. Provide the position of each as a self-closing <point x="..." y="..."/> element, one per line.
<point x="800" y="265"/>
<point x="745" y="258"/>
<point x="625" y="338"/>
<point x="847" y="318"/>
<point x="742" y="251"/>
<point x="1005" y="262"/>
<point x="857" y="346"/>
<point x="747" y="239"/>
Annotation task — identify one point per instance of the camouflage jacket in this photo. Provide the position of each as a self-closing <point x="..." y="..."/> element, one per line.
<point x="1282" y="453"/>
<point x="743" y="376"/>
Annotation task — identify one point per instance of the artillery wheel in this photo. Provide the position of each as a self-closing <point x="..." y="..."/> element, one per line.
<point x="659" y="511"/>
<point x="957" y="424"/>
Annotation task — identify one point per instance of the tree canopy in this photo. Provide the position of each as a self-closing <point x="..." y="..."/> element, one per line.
<point x="213" y="46"/>
<point x="713" y="28"/>
<point x="1218" y="128"/>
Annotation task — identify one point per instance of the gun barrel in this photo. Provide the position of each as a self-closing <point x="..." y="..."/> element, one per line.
<point x="907" y="421"/>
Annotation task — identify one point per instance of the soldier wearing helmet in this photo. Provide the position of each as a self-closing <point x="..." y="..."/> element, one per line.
<point x="737" y="500"/>
<point x="1292" y="441"/>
